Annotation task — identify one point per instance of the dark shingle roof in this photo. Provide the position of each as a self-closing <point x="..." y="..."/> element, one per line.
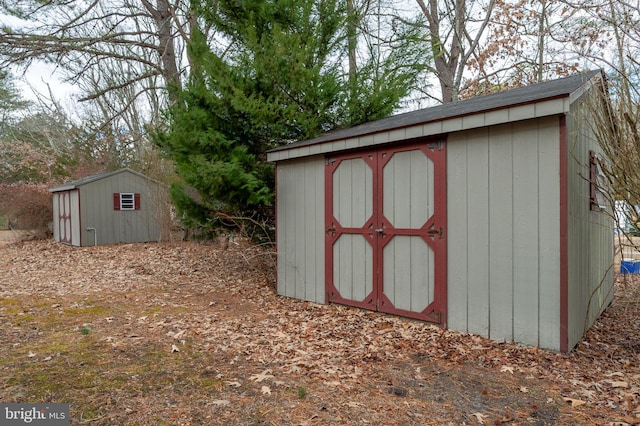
<point x="553" y="89"/>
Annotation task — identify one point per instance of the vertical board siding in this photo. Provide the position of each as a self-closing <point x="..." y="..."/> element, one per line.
<point x="353" y="266"/>
<point x="590" y="233"/>
<point x="526" y="223"/>
<point x="457" y="212"/>
<point x="299" y="238"/>
<point x="501" y="288"/>
<point x="121" y="226"/>
<point x="353" y="193"/>
<point x="408" y="273"/>
<point x="300" y="206"/>
<point x="408" y="179"/>
<point x="503" y="206"/>
<point x="477" y="231"/>
<point x="549" y="267"/>
<point x="313" y="247"/>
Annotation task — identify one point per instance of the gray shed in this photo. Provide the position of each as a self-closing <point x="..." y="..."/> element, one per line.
<point x="481" y="216"/>
<point x="121" y="206"/>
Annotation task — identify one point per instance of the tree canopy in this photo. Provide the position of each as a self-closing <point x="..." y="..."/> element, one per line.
<point x="279" y="79"/>
<point x="219" y="82"/>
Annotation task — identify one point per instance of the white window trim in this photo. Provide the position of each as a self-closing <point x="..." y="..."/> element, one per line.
<point x="127" y="201"/>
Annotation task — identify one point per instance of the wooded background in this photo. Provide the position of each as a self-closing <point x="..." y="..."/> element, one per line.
<point x="194" y="92"/>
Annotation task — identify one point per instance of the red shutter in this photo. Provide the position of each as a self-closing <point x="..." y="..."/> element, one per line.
<point x="593" y="181"/>
<point x="116" y="201"/>
<point x="136" y="198"/>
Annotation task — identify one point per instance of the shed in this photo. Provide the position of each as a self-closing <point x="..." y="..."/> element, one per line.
<point x="121" y="206"/>
<point x="481" y="215"/>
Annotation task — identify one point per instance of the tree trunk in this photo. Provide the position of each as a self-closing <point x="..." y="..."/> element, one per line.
<point x="163" y="16"/>
<point x="352" y="45"/>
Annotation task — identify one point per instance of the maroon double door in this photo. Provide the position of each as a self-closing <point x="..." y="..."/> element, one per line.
<point x="385" y="244"/>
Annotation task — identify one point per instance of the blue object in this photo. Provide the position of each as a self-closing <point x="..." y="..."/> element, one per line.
<point x="630" y="266"/>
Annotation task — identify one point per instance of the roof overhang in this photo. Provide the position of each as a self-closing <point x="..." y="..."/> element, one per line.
<point x="92" y="178"/>
<point x="536" y="101"/>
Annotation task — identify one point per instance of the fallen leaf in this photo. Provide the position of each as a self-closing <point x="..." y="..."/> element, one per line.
<point x="234" y="384"/>
<point x="524" y="389"/>
<point x="588" y="393"/>
<point x="617" y="383"/>
<point x="574" y="402"/>
<point x="175" y="335"/>
<point x="220" y="402"/>
<point x="506" y="368"/>
<point x="262" y="376"/>
<point x="626" y="420"/>
<point x="31" y="354"/>
<point x="174" y="348"/>
<point x="266" y="390"/>
<point x="480" y="417"/>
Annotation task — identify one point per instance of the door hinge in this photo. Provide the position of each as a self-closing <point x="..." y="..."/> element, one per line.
<point x="436" y="145"/>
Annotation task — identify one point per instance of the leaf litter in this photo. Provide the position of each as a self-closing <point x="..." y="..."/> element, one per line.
<point x="187" y="333"/>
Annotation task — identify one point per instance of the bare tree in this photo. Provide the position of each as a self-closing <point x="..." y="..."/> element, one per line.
<point x="456" y="29"/>
<point x="527" y="42"/>
<point x="616" y="48"/>
<point x="121" y="54"/>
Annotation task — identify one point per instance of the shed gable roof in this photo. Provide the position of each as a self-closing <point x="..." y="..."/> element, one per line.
<point x="92" y="178"/>
<point x="537" y="100"/>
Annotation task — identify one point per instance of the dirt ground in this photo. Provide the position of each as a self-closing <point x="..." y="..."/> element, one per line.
<point x="11" y="236"/>
<point x="193" y="334"/>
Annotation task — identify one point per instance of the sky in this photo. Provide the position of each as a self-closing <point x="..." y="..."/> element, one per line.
<point x="42" y="78"/>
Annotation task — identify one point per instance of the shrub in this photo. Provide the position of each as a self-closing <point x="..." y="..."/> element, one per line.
<point x="26" y="207"/>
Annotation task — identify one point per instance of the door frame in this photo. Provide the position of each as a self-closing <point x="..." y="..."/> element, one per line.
<point x="64" y="219"/>
<point x="434" y="231"/>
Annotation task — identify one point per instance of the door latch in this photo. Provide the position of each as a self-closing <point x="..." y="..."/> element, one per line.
<point x="439" y="231"/>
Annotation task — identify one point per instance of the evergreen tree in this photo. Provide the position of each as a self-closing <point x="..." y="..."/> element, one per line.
<point x="279" y="78"/>
<point x="11" y="101"/>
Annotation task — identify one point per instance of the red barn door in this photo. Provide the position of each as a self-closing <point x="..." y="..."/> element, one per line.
<point x="386" y="230"/>
<point x="64" y="217"/>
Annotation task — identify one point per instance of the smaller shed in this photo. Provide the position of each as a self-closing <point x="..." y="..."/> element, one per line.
<point x="121" y="206"/>
<point x="480" y="215"/>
